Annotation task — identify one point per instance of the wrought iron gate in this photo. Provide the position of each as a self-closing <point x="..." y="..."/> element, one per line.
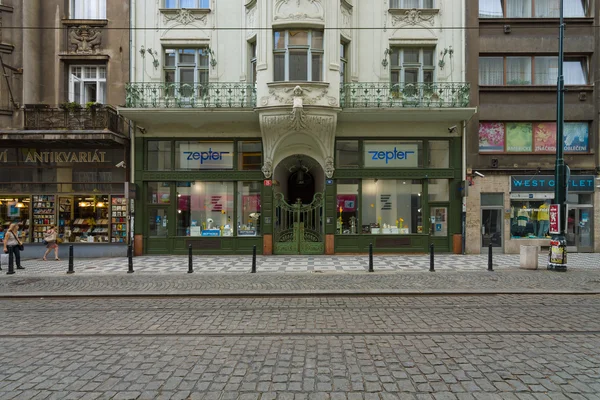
<point x="298" y="227"/>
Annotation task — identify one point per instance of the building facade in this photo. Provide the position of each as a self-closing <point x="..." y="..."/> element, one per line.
<point x="64" y="151"/>
<point x="298" y="127"/>
<point x="513" y="67"/>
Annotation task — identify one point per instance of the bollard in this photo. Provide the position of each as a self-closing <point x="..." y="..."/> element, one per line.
<point x="431" y="259"/>
<point x="490" y="265"/>
<point x="371" y="257"/>
<point x="130" y="259"/>
<point x="253" y="259"/>
<point x="11" y="266"/>
<point x="71" y="269"/>
<point x="190" y="262"/>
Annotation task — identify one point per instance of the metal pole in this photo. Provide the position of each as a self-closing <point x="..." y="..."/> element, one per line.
<point x="371" y="257"/>
<point x="190" y="262"/>
<point x="71" y="269"/>
<point x="253" y="259"/>
<point x="431" y="259"/>
<point x="560" y="188"/>
<point x="130" y="259"/>
<point x="490" y="265"/>
<point x="11" y="266"/>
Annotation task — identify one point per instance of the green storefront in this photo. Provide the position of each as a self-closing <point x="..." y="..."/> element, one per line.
<point x="400" y="194"/>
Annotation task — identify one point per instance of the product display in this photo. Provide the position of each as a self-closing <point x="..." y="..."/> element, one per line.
<point x="91" y="223"/>
<point x="44" y="216"/>
<point x="119" y="220"/>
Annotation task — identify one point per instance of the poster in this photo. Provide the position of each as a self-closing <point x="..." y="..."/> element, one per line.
<point x="576" y="137"/>
<point x="12" y="211"/>
<point x="491" y="137"/>
<point x="519" y="137"/>
<point x="347" y="202"/>
<point x="544" y="134"/>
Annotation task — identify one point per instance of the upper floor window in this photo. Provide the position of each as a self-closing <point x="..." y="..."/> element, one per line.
<point x="187" y="68"/>
<point x="88" y="9"/>
<point x="412" y="65"/>
<point x="411" y="3"/>
<point x="253" y="61"/>
<point x="531" y="8"/>
<point x="187" y="3"/>
<point x="343" y="62"/>
<point x="298" y="55"/>
<point x="529" y="70"/>
<point x="87" y="83"/>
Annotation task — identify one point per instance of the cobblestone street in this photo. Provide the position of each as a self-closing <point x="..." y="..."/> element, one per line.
<point x="372" y="347"/>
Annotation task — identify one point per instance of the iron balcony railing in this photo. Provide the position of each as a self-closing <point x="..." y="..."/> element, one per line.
<point x="176" y="95"/>
<point x="42" y="117"/>
<point x="397" y="95"/>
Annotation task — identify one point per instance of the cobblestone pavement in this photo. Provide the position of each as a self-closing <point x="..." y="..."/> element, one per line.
<point x="236" y="264"/>
<point x="434" y="347"/>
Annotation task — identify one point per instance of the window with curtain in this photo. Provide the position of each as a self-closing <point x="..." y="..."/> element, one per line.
<point x="491" y="71"/>
<point x="542" y="70"/>
<point x="343" y="62"/>
<point x="546" y="71"/>
<point x="298" y="55"/>
<point x="412" y="65"/>
<point x="252" y="61"/>
<point x="87" y="83"/>
<point x="518" y="70"/>
<point x="88" y="9"/>
<point x="411" y="3"/>
<point x="186" y="71"/>
<point x="523" y="8"/>
<point x="187" y="3"/>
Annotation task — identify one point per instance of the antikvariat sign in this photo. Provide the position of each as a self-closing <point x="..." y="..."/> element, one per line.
<point x="546" y="183"/>
<point x="391" y="155"/>
<point x="209" y="155"/>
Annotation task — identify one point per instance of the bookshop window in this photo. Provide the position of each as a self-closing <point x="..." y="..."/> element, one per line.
<point x="392" y="206"/>
<point x="15" y="210"/>
<point x="249" y="156"/>
<point x="347" y="207"/>
<point x="84" y="219"/>
<point x="44" y="215"/>
<point x="159" y="193"/>
<point x="204" y="208"/>
<point x="159" y="155"/>
<point x="249" y="208"/>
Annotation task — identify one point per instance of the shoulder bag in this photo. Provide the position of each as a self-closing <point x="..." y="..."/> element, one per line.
<point x="21" y="247"/>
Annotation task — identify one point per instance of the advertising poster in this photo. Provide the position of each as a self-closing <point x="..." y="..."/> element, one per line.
<point x="519" y="137"/>
<point x="12" y="210"/>
<point x="491" y="137"/>
<point x="347" y="202"/>
<point x="544" y="134"/>
<point x="576" y="137"/>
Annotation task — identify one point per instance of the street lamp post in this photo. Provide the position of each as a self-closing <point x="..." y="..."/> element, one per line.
<point x="558" y="248"/>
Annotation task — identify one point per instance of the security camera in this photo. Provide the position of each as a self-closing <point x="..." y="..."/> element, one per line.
<point x="452" y="129"/>
<point x="121" y="164"/>
<point x="479" y="174"/>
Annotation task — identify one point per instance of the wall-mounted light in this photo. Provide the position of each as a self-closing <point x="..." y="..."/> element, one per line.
<point x="447" y="51"/>
<point x="386" y="53"/>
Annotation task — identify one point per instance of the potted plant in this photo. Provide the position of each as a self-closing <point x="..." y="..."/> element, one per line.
<point x="70" y="106"/>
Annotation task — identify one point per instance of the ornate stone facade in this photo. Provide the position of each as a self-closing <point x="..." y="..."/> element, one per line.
<point x="84" y="39"/>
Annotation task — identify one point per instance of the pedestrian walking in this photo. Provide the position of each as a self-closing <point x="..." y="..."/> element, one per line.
<point x="51" y="242"/>
<point x="13" y="245"/>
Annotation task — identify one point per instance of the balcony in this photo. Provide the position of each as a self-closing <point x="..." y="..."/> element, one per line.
<point x="176" y="95"/>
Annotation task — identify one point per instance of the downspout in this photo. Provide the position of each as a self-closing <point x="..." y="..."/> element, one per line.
<point x="464" y="130"/>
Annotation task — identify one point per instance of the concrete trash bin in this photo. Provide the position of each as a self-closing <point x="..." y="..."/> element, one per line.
<point x="529" y="257"/>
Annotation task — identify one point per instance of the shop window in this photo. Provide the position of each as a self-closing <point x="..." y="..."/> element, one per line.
<point x="87" y="84"/>
<point x="193" y="155"/>
<point x="88" y="9"/>
<point x="347" y="207"/>
<point x="15" y="210"/>
<point x="84" y="219"/>
<point x="438" y="189"/>
<point x="529" y="219"/>
<point x="159" y="155"/>
<point x="204" y="208"/>
<point x="249" y="156"/>
<point x="187" y="3"/>
<point x="159" y="193"/>
<point x="439" y="154"/>
<point x="44" y="215"/>
<point x="439" y="221"/>
<point x="249" y="208"/>
<point x="118" y="219"/>
<point x="158" y="222"/>
<point x="347" y="154"/>
<point x="298" y="55"/>
<point x="393" y="154"/>
<point x="392" y="206"/>
<point x="492" y="199"/>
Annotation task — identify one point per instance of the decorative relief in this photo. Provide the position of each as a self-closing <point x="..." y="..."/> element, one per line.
<point x="413" y="17"/>
<point x="285" y="96"/>
<point x="184" y="17"/>
<point x="346" y="19"/>
<point x="84" y="39"/>
<point x="250" y="21"/>
<point x="299" y="10"/>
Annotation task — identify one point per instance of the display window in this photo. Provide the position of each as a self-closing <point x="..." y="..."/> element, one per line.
<point x="205" y="208"/>
<point x="392" y="206"/>
<point x="84" y="219"/>
<point x="529" y="219"/>
<point x="249" y="208"/>
<point x="347" y="207"/>
<point x="118" y="219"/>
<point x="44" y="215"/>
<point x="15" y="210"/>
<point x="159" y="193"/>
<point x="250" y="155"/>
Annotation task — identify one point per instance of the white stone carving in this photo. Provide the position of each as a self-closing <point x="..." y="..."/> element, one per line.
<point x="299" y="10"/>
<point x="184" y="17"/>
<point x="267" y="168"/>
<point x="329" y="167"/>
<point x="250" y="21"/>
<point x="285" y="96"/>
<point x="346" y="14"/>
<point x="84" y="39"/>
<point x="413" y="17"/>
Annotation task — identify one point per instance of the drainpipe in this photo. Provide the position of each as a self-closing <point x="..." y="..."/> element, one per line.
<point x="464" y="128"/>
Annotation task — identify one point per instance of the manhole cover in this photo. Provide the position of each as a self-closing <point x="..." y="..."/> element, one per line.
<point x="24" y="281"/>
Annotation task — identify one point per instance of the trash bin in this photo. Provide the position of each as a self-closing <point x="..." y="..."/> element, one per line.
<point x="457" y="243"/>
<point x="529" y="257"/>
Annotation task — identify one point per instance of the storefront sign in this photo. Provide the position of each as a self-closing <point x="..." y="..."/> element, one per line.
<point x="59" y="157"/>
<point x="546" y="183"/>
<point x="383" y="155"/>
<point x="554" y="219"/>
<point x="206" y="156"/>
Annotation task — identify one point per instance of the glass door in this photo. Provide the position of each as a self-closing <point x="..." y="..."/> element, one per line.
<point x="491" y="229"/>
<point x="584" y="230"/>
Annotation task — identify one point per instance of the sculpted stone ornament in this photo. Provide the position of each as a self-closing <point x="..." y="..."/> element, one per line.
<point x="413" y="17"/>
<point x="184" y="17"/>
<point x="329" y="167"/>
<point x="267" y="169"/>
<point x="298" y="116"/>
<point x="85" y="40"/>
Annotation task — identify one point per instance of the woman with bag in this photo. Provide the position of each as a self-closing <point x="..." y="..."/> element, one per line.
<point x="51" y="243"/>
<point x="13" y="245"/>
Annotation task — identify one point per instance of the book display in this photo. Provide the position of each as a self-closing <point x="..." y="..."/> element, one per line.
<point x="118" y="220"/>
<point x="90" y="220"/>
<point x="15" y="210"/>
<point x="65" y="218"/>
<point x="44" y="216"/>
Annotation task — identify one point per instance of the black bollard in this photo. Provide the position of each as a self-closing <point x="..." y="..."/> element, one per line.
<point x="71" y="269"/>
<point x="431" y="259"/>
<point x="130" y="259"/>
<point x="371" y="257"/>
<point x="490" y="265"/>
<point x="11" y="266"/>
<point x="190" y="262"/>
<point x="253" y="259"/>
